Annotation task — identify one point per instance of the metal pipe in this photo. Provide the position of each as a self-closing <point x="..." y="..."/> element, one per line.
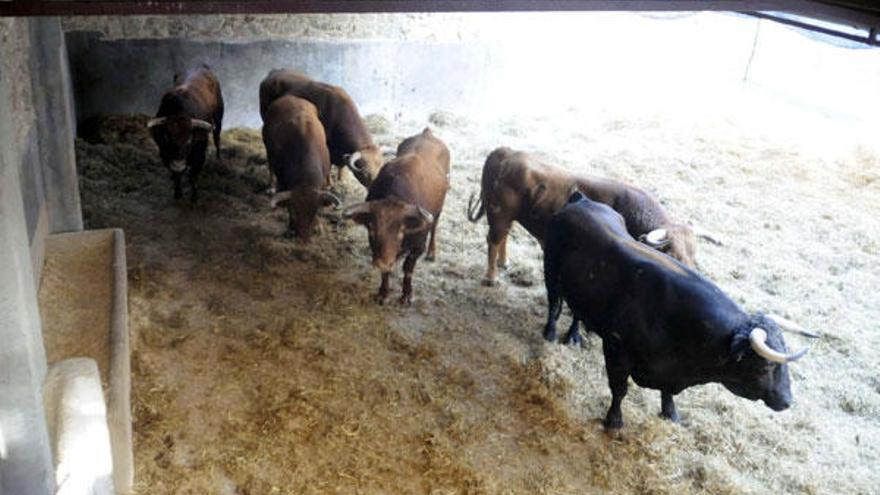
<point x="869" y="38"/>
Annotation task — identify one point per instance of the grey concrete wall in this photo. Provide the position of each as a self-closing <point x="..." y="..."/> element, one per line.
<point x="26" y="464"/>
<point x="130" y="76"/>
<point x="53" y="103"/>
<point x="479" y="65"/>
<point x="330" y="27"/>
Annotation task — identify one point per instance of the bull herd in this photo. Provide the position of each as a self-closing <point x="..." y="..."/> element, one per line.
<point x="611" y="252"/>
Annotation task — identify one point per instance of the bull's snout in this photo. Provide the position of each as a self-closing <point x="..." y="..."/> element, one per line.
<point x="383" y="265"/>
<point x="778" y="402"/>
<point x="177" y="165"/>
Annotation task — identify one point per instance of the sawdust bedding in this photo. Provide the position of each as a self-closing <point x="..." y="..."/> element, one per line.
<point x="262" y="366"/>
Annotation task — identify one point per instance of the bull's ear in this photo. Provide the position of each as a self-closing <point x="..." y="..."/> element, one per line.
<point x="359" y="213"/>
<point x="416" y="218"/>
<point x="537" y="193"/>
<point x="739" y="346"/>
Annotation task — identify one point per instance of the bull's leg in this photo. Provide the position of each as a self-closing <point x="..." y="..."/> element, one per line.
<point x="383" y="289"/>
<point x="218" y="124"/>
<point x="272" y="181"/>
<point x="554" y="308"/>
<point x="502" y="253"/>
<point x="217" y="140"/>
<point x="195" y="161"/>
<point x="432" y="246"/>
<point x="409" y="265"/>
<point x="667" y="407"/>
<point x="498" y="230"/>
<point x="178" y="188"/>
<point x="573" y="336"/>
<point x="617" y="367"/>
<point x="193" y="189"/>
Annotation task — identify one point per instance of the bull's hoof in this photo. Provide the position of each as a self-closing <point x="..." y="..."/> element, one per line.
<point x="431" y="257"/>
<point x="405" y="300"/>
<point x="674" y="417"/>
<point x="573" y="338"/>
<point x="380" y="298"/>
<point x="490" y="282"/>
<point x="613" y="424"/>
<point x="550" y="334"/>
<point x="502" y="265"/>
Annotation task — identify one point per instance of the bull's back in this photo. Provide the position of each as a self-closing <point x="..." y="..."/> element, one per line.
<point x="411" y="179"/>
<point x="295" y="141"/>
<point x="642" y="212"/>
<point x="198" y="92"/>
<point x="621" y="285"/>
<point x="429" y="148"/>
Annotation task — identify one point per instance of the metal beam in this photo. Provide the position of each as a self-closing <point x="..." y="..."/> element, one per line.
<point x="870" y="37"/>
<point x="159" y="7"/>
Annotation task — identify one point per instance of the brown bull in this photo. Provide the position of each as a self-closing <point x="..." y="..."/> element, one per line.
<point x="404" y="203"/>
<point x="348" y="139"/>
<point x="297" y="153"/>
<point x="516" y="187"/>
<point x="187" y="114"/>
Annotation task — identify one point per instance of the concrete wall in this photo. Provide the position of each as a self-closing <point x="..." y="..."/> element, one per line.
<point x="129" y="76"/>
<point x="476" y="64"/>
<point x="26" y="464"/>
<point x="38" y="194"/>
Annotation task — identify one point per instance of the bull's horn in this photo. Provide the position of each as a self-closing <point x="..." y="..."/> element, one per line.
<point x="157" y="121"/>
<point x="706" y="235"/>
<point x="429" y="218"/>
<point x="203" y="125"/>
<point x="790" y="326"/>
<point x="388" y="151"/>
<point x="656" y="237"/>
<point x="758" y="339"/>
<point x="352" y="161"/>
<point x="330" y="199"/>
<point x="356" y="209"/>
<point x="279" y="197"/>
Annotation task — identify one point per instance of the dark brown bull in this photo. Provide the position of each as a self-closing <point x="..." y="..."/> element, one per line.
<point x="187" y="114"/>
<point x="348" y="139"/>
<point x="297" y="153"/>
<point x="516" y="187"/>
<point x="403" y="204"/>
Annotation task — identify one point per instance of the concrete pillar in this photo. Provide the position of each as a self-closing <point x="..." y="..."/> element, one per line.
<point x="56" y="122"/>
<point x="25" y="456"/>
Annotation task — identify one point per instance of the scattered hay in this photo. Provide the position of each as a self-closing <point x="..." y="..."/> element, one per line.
<point x="262" y="366"/>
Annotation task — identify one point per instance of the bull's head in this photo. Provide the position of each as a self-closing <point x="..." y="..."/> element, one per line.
<point x="761" y="362"/>
<point x="302" y="206"/>
<point x="174" y="136"/>
<point x="388" y="222"/>
<point x="365" y="164"/>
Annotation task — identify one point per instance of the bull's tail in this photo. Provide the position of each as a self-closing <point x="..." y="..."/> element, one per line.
<point x="476" y="208"/>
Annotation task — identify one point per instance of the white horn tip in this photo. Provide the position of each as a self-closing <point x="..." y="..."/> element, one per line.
<point x="656" y="236"/>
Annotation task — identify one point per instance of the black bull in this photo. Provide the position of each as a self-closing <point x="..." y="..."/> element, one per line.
<point x="661" y="323"/>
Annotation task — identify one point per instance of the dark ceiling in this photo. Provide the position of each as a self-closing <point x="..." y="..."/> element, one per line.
<point x="857" y="20"/>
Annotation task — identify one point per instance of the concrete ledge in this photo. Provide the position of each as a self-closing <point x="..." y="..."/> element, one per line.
<point x="84" y="308"/>
<point x="119" y="400"/>
<point x="78" y="432"/>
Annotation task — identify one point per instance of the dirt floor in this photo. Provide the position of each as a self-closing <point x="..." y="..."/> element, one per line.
<point x="262" y="366"/>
